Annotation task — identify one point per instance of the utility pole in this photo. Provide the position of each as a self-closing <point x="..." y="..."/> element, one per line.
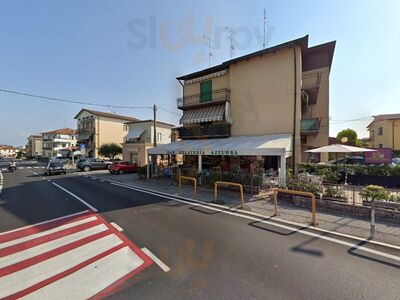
<point x="154" y="124"/>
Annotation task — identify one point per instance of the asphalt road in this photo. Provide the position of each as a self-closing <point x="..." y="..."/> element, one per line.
<point x="211" y="254"/>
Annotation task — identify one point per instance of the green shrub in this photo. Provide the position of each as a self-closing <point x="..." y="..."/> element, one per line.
<point x="394" y="171"/>
<point x="305" y="187"/>
<point x="329" y="173"/>
<point x="334" y="193"/>
<point x="394" y="198"/>
<point x="374" y="192"/>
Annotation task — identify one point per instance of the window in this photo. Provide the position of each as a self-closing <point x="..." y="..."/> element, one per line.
<point x="380" y="146"/>
<point x="371" y="134"/>
<point x="206" y="91"/>
<point x="159" y="136"/>
<point x="380" y="130"/>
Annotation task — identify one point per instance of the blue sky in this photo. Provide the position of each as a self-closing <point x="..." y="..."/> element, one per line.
<point x="129" y="53"/>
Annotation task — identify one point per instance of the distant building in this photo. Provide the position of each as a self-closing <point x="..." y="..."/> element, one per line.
<point x="384" y="131"/>
<point x="8" y="151"/>
<point x="96" y="128"/>
<point x="140" y="138"/>
<point x="55" y="140"/>
<point x="35" y="146"/>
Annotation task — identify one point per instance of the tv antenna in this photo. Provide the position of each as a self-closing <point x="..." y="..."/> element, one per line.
<point x="231" y="41"/>
<point x="209" y="44"/>
<point x="265" y="22"/>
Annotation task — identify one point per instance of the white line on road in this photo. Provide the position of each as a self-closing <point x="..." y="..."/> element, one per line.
<point x="1" y="181"/>
<point x="226" y="210"/>
<point x="116" y="226"/>
<point x="163" y="266"/>
<point x="45" y="222"/>
<point x="76" y="197"/>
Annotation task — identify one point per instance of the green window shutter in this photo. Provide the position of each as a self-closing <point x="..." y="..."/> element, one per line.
<point x="206" y="91"/>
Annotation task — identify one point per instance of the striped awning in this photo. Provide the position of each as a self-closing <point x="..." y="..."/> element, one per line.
<point x="204" y="114"/>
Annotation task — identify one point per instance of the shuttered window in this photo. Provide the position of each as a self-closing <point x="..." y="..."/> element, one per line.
<point x="206" y="91"/>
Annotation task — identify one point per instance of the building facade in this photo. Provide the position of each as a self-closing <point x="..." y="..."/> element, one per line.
<point x="95" y="128"/>
<point x="35" y="146"/>
<point x="56" y="140"/>
<point x="8" y="151"/>
<point x="140" y="138"/>
<point x="280" y="93"/>
<point x="384" y="132"/>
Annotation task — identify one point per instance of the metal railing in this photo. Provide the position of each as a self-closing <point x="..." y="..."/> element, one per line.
<point x="309" y="125"/>
<point x="312" y="80"/>
<point x="220" y="130"/>
<point x="204" y="98"/>
<point x="192" y="179"/>
<point x="225" y="183"/>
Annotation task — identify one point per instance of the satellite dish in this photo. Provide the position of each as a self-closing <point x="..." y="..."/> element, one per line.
<point x="344" y="139"/>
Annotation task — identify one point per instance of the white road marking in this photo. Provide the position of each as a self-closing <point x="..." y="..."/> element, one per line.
<point x="46" y="247"/>
<point x="44" y="222"/>
<point x="101" y="180"/>
<point x="46" y="232"/>
<point x="116" y="226"/>
<point x="226" y="210"/>
<point x="27" y="277"/>
<point x="163" y="266"/>
<point x="76" y="197"/>
<point x="1" y="181"/>
<point x="91" y="279"/>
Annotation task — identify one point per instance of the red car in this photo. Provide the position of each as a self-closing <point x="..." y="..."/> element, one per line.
<point x="123" y="167"/>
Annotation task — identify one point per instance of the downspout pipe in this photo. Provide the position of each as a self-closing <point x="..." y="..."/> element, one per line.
<point x="294" y="112"/>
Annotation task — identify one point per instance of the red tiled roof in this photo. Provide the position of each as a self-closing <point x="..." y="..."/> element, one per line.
<point x="61" y="131"/>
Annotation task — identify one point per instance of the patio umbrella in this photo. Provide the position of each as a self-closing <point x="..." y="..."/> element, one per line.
<point x="340" y="148"/>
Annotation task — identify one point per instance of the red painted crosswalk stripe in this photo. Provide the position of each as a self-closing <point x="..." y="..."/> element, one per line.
<point x="43" y="260"/>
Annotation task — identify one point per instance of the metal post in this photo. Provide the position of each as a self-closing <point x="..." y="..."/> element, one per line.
<point x="313" y="211"/>
<point x="276" y="202"/>
<point x="155" y="125"/>
<point x="215" y="192"/>
<point x="372" y="235"/>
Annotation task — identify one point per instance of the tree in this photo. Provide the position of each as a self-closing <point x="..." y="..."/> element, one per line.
<point x="110" y="150"/>
<point x="350" y="134"/>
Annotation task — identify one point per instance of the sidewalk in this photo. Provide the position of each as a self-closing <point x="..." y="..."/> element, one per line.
<point x="388" y="233"/>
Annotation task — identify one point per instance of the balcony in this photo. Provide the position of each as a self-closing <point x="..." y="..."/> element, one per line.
<point x="83" y="130"/>
<point x="197" y="100"/>
<point x="203" y="132"/>
<point x="309" y="126"/>
<point x="310" y="87"/>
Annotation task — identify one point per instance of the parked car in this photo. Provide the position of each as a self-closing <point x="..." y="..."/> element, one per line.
<point x="396" y="161"/>
<point x="123" y="167"/>
<point x="54" y="168"/>
<point x="89" y="164"/>
<point x="351" y="160"/>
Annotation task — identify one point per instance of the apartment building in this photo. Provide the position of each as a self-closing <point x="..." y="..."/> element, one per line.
<point x="35" y="146"/>
<point x="270" y="105"/>
<point x="140" y="138"/>
<point x="56" y="140"/>
<point x="8" y="151"/>
<point x="96" y="128"/>
<point x="384" y="132"/>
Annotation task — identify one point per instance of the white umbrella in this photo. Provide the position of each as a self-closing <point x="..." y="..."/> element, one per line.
<point x="339" y="148"/>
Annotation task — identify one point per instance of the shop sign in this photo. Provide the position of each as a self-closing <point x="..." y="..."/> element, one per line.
<point x="224" y="152"/>
<point x="380" y="156"/>
<point x="202" y="152"/>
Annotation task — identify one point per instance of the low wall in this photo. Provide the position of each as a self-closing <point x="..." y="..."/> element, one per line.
<point x="335" y="207"/>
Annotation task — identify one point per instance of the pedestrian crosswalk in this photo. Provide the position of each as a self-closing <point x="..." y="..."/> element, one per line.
<point x="75" y="257"/>
<point x="22" y="168"/>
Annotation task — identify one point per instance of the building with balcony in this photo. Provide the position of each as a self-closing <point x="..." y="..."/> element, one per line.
<point x="96" y="128"/>
<point x="384" y="132"/>
<point x="140" y="138"/>
<point x="8" y="151"/>
<point x="56" y="140"/>
<point x="269" y="106"/>
<point x="35" y="146"/>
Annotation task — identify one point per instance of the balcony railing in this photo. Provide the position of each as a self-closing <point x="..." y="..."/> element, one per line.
<point x="220" y="95"/>
<point x="310" y="126"/>
<point x="82" y="130"/>
<point x="310" y="81"/>
<point x="207" y="131"/>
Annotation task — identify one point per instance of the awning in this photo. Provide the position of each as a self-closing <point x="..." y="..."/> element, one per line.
<point x="269" y="145"/>
<point x="84" y="136"/>
<point x="135" y="133"/>
<point x="204" y="114"/>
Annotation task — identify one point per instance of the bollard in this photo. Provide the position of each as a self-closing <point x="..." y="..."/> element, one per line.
<point x="372" y="234"/>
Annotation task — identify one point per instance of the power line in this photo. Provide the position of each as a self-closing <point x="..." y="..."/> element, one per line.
<point x="72" y="101"/>
<point x="170" y="111"/>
